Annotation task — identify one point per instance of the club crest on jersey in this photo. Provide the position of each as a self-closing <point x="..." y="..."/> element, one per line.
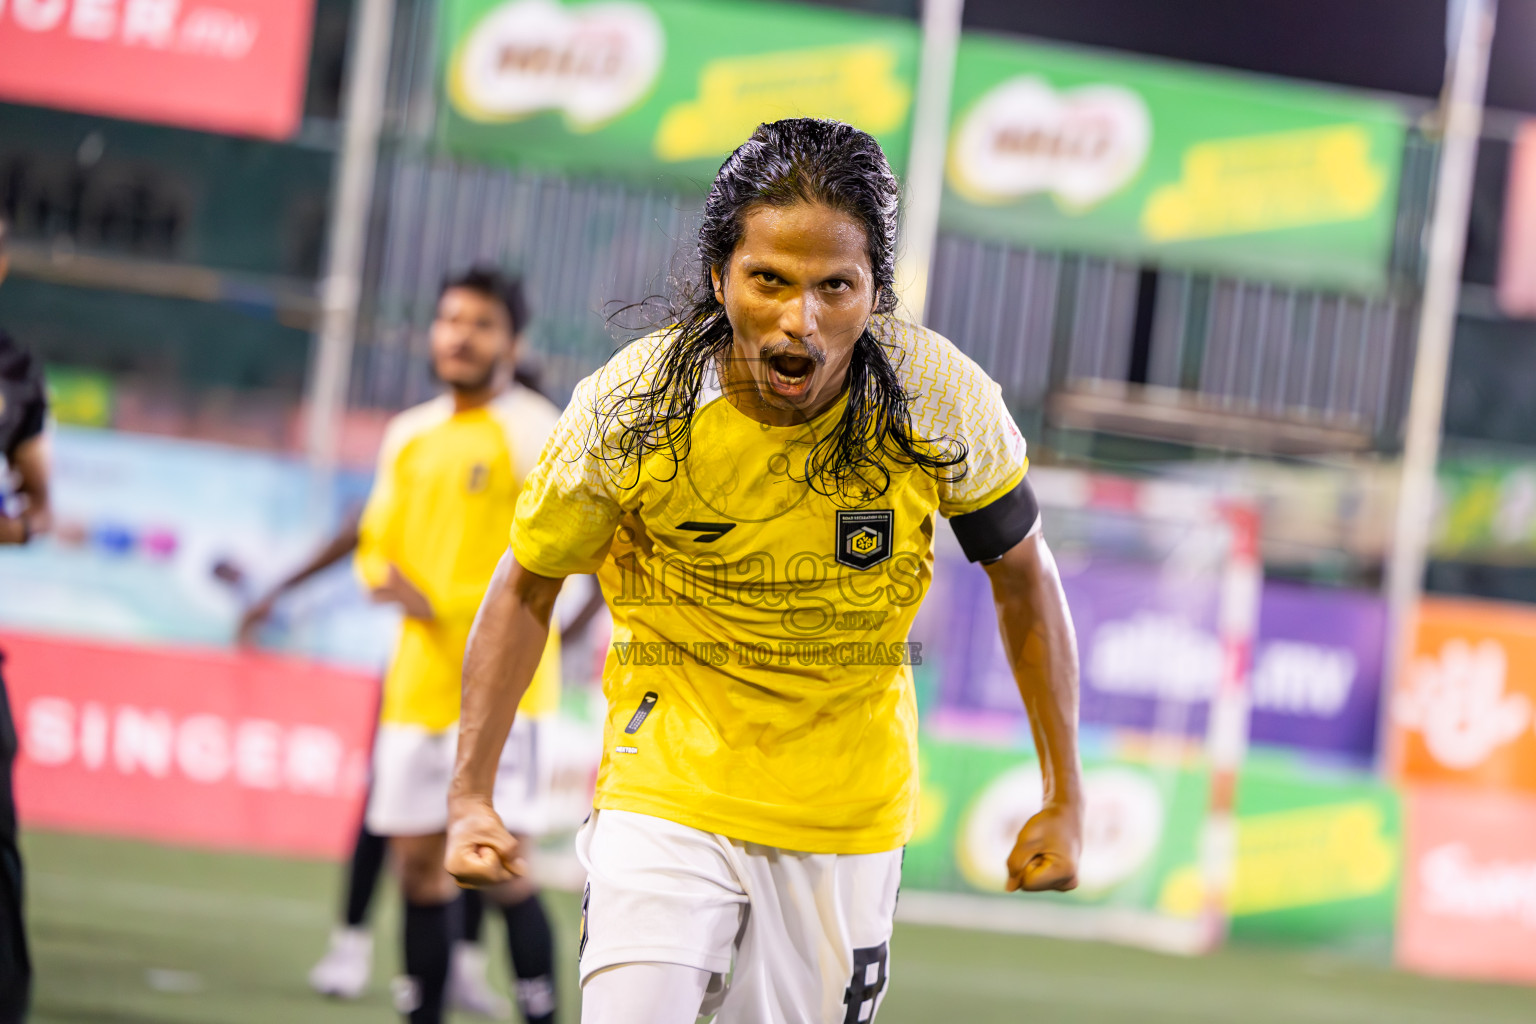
<point x="864" y="538"/>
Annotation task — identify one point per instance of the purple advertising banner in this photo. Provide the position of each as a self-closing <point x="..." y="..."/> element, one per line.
<point x="1151" y="660"/>
<point x="1318" y="669"/>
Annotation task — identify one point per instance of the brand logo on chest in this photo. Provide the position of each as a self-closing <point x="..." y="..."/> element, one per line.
<point x="706" y="533"/>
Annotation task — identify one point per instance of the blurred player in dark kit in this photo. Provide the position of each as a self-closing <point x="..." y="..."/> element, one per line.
<point x="24" y="498"/>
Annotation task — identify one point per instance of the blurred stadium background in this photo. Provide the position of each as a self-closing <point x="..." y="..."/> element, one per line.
<point x="1258" y="280"/>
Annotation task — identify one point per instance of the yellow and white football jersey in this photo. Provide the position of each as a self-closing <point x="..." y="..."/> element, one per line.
<point x="441" y="506"/>
<point x="759" y="684"/>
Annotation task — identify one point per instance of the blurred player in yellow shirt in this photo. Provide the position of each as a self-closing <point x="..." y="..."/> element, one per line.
<point x="757" y="487"/>
<point x="435" y="524"/>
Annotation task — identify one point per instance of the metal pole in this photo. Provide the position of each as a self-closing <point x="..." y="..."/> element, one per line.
<point x="930" y="142"/>
<point x="1466" y="76"/>
<point x="351" y="207"/>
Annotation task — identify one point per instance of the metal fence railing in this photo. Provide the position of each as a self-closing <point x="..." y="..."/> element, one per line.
<point x="1032" y="319"/>
<point x="1035" y="320"/>
<point x="584" y="249"/>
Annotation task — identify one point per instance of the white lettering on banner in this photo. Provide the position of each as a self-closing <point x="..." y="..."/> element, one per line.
<point x="1156" y="656"/>
<point x="257" y="746"/>
<point x="39" y="15"/>
<point x="1298" y="678"/>
<point x="1082" y="144"/>
<point x="204" y="748"/>
<point x="93" y="19"/>
<point x="1161" y="657"/>
<point x="313" y="763"/>
<point x="593" y="62"/>
<point x="142" y="741"/>
<point x="95" y="731"/>
<point x="50" y="731"/>
<point x="218" y="33"/>
<point x="1456" y="701"/>
<point x="1455" y="885"/>
<point x="206" y="31"/>
<point x="150" y="22"/>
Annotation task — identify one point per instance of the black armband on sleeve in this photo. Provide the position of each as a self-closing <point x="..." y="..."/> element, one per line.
<point x="988" y="533"/>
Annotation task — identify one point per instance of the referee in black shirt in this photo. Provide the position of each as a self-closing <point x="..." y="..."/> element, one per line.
<point x="23" y="513"/>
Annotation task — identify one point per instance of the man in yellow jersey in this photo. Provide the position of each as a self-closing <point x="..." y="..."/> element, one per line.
<point x="448" y="480"/>
<point x="757" y="486"/>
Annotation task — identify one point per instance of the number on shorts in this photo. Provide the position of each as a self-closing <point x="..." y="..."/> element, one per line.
<point x="869" y="974"/>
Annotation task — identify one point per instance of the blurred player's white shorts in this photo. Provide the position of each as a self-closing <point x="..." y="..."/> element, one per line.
<point x="810" y="933"/>
<point x="412" y="767"/>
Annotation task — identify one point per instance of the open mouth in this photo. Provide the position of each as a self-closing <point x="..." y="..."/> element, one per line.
<point x="790" y="375"/>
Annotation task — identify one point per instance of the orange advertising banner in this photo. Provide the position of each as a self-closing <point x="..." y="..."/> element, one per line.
<point x="1466" y="710"/>
<point x="207" y="748"/>
<point x="1469" y="884"/>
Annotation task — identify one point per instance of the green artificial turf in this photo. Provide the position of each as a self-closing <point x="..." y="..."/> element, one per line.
<point x="133" y="933"/>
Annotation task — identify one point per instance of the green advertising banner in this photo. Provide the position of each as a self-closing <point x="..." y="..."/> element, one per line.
<point x="1143" y="825"/>
<point x="1141" y="160"/>
<point x="1318" y="860"/>
<point x="661" y="91"/>
<point x="1486" y="510"/>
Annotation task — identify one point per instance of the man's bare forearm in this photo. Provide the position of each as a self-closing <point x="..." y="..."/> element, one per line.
<point x="505" y="646"/>
<point x="1042" y="651"/>
<point x="335" y="549"/>
<point x="30" y="461"/>
<point x="338" y="547"/>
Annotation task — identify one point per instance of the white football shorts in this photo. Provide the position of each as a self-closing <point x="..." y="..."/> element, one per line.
<point x="801" y="937"/>
<point x="412" y="767"/>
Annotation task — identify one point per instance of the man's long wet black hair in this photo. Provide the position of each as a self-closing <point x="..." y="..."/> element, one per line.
<point x="799" y="160"/>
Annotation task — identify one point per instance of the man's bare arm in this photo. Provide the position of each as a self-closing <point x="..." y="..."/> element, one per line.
<point x="333" y="551"/>
<point x="505" y="646"/>
<point x="398" y="590"/>
<point x="30" y="461"/>
<point x="1042" y="651"/>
